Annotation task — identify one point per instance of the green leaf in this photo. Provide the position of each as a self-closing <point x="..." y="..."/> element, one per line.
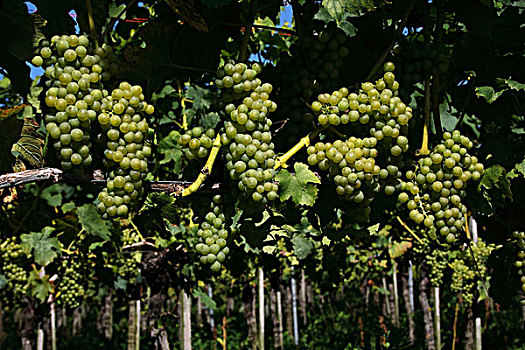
<point x="3" y="282"/>
<point x="335" y="8"/>
<point x="40" y="285"/>
<point x="488" y="93"/>
<point x="171" y="150"/>
<point x="299" y="186"/>
<point x="323" y="15"/>
<point x="520" y="167"/>
<point x="115" y="10"/>
<point x="373" y="230"/>
<point x="68" y="207"/>
<point x="120" y="283"/>
<point x="43" y="248"/>
<point x="448" y="120"/>
<point x="269" y="249"/>
<point x="10" y="129"/>
<point x="491" y="176"/>
<point x="302" y="247"/>
<point x="202" y="98"/>
<point x="5" y="83"/>
<point x="513" y="84"/>
<point x="166" y="91"/>
<point x="206" y="300"/>
<point x="495" y="186"/>
<point x="92" y="223"/>
<point x="347" y="27"/>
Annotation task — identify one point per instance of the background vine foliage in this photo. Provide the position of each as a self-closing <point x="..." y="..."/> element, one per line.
<point x="245" y="174"/>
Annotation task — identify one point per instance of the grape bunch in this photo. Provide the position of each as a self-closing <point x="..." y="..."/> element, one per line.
<point x="127" y="265"/>
<point x="351" y="166"/>
<point x="213" y="232"/>
<point x="196" y="142"/>
<point x="463" y="280"/>
<point x="434" y="191"/>
<point x="437" y="260"/>
<point x="418" y="62"/>
<point x="312" y="66"/>
<point x="73" y="76"/>
<point x="12" y="257"/>
<point x="250" y="155"/>
<point x="470" y="263"/>
<point x="125" y="130"/>
<point x="376" y="111"/>
<point x="519" y="243"/>
<point x="70" y="286"/>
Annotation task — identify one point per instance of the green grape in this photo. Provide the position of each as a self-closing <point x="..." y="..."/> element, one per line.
<point x="127" y="148"/>
<point x="441" y="180"/>
<point x="247" y="133"/>
<point x="213" y="248"/>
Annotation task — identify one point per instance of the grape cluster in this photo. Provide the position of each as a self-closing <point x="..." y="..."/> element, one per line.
<point x="351" y="165"/>
<point x="469" y="264"/>
<point x="213" y="232"/>
<point x="70" y="287"/>
<point x="127" y="266"/>
<point x="419" y="62"/>
<point x="196" y="142"/>
<point x="463" y="280"/>
<point x="437" y="260"/>
<point x="434" y="191"/>
<point x="11" y="268"/>
<point x="73" y="75"/>
<point x="519" y="243"/>
<point x="125" y="131"/>
<point x="250" y="155"/>
<point x="374" y="111"/>
<point x="313" y="65"/>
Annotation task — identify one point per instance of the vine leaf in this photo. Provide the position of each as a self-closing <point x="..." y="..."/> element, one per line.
<point x="40" y="284"/>
<point x="10" y="129"/>
<point x="302" y="247"/>
<point x="3" y="282"/>
<point x="518" y="169"/>
<point x="495" y="185"/>
<point x="29" y="147"/>
<point x="488" y="93"/>
<point x="91" y="221"/>
<point x="335" y="8"/>
<point x="513" y="84"/>
<point x="398" y="249"/>
<point x="120" y="283"/>
<point x="171" y="150"/>
<point x="373" y="230"/>
<point x="206" y="300"/>
<point x="43" y="248"/>
<point x="299" y="186"/>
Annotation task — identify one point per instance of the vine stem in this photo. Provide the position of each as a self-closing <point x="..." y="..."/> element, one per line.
<point x="57" y="175"/>
<point x="409" y="230"/>
<point x="247" y="33"/>
<point x="436" y="79"/>
<point x="305" y="141"/>
<point x="206" y="170"/>
<point x="92" y="23"/>
<point x="183" y="104"/>
<point x="424" y="150"/>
